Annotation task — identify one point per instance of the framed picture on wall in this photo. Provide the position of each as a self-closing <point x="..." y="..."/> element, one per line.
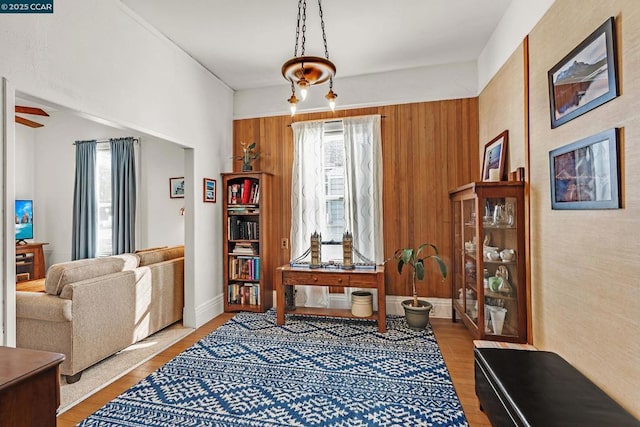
<point x="585" y="174"/>
<point x="209" y="190"/>
<point x="495" y="155"/>
<point x="586" y="78"/>
<point x="176" y="187"/>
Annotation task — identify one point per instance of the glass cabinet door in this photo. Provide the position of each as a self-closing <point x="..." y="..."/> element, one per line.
<point x="468" y="294"/>
<point x="500" y="265"/>
<point x="465" y="283"/>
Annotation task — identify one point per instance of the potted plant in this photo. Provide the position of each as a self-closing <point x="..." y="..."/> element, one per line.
<point x="248" y="155"/>
<point x="417" y="311"/>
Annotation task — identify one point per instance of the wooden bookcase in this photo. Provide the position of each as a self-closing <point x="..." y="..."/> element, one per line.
<point x="247" y="241"/>
<point x="488" y="243"/>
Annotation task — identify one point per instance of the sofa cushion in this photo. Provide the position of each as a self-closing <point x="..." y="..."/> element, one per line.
<point x="153" y="257"/>
<point x="137" y="251"/>
<point x="131" y="261"/>
<point x="64" y="273"/>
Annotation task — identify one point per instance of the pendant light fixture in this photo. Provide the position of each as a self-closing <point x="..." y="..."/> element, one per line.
<point x="305" y="71"/>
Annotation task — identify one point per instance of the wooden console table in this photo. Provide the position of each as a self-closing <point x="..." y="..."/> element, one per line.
<point x="29" y="387"/>
<point x="32" y="253"/>
<point x="374" y="279"/>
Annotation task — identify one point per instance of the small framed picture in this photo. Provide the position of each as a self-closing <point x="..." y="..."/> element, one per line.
<point x="586" y="78"/>
<point x="176" y="187"/>
<point x="209" y="190"/>
<point x="495" y="155"/>
<point x="585" y="175"/>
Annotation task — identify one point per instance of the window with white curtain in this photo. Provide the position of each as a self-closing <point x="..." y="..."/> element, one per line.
<point x="337" y="187"/>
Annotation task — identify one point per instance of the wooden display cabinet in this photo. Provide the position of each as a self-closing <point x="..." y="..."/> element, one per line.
<point x="247" y="238"/>
<point x="488" y="260"/>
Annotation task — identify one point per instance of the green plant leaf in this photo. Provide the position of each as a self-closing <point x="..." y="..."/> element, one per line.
<point x="407" y="256"/>
<point x="400" y="265"/>
<point x="419" y="266"/>
<point x="443" y="267"/>
<point x="251" y="146"/>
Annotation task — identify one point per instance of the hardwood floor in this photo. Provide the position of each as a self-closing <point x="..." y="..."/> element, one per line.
<point x="455" y="343"/>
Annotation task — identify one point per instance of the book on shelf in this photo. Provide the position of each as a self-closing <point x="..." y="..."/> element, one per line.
<point x="245" y="193"/>
<point x="244" y="267"/>
<point x="243" y="209"/>
<point x="243" y="293"/>
<point x="241" y="229"/>
<point x="233" y="190"/>
<point x="244" y="248"/>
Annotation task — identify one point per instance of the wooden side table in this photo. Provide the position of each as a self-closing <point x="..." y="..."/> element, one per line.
<point x="331" y="277"/>
<point x="29" y="387"/>
<point x="35" y="254"/>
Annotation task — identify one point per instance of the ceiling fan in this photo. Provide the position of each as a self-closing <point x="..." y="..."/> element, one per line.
<point x="29" y="110"/>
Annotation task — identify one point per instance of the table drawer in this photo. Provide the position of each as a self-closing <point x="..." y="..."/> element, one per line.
<point x="311" y="278"/>
<point x="363" y="281"/>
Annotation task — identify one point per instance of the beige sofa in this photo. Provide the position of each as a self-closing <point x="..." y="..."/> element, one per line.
<point x="94" y="308"/>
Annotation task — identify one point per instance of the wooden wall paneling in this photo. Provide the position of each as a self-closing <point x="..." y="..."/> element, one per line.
<point x="394" y="161"/>
<point x="427" y="149"/>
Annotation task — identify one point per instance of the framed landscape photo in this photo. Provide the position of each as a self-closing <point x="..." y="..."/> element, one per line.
<point x="495" y="155"/>
<point x="209" y="190"/>
<point x="586" y="78"/>
<point x="585" y="173"/>
<point x="176" y="187"/>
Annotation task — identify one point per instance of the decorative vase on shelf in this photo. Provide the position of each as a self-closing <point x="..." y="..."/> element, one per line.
<point x="504" y="287"/>
<point x="246" y="167"/>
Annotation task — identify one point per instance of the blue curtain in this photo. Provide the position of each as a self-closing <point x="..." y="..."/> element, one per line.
<point x="83" y="244"/>
<point x="123" y="194"/>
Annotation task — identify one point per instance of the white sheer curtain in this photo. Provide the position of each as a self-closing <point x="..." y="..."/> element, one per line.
<point x="363" y="189"/>
<point x="307" y="204"/>
<point x="363" y="185"/>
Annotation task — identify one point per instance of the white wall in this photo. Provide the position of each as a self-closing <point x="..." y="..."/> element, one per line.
<point x="25" y="141"/>
<point x="160" y="222"/>
<point x="450" y="81"/>
<point x="97" y="58"/>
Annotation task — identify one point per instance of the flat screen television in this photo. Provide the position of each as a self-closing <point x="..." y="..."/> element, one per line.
<point x="24" y="220"/>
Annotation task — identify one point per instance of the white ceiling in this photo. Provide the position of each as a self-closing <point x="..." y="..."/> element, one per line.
<point x="245" y="42"/>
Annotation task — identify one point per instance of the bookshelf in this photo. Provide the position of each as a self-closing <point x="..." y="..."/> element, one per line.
<point x="247" y="238"/>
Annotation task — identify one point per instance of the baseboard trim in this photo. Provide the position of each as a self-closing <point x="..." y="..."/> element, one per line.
<point x="204" y="312"/>
<point x="214" y="307"/>
<point x="441" y="306"/>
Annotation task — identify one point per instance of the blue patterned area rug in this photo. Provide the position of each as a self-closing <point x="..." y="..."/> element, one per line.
<point x="312" y="371"/>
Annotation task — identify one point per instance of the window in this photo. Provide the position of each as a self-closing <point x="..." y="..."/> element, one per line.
<point x="103" y="192"/>
<point x="333" y="160"/>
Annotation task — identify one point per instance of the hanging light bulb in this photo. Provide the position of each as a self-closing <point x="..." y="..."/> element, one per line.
<point x="293" y="100"/>
<point x="303" y="84"/>
<point x="292" y="104"/>
<point x="331" y="96"/>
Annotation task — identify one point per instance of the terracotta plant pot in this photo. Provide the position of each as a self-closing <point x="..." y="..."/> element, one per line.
<point x="417" y="317"/>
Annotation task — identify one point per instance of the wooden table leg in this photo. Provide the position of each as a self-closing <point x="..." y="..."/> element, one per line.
<point x="382" y="304"/>
<point x="280" y="305"/>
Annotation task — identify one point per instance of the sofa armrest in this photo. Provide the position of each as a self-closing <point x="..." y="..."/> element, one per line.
<point x="41" y="306"/>
<point x="103" y="319"/>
